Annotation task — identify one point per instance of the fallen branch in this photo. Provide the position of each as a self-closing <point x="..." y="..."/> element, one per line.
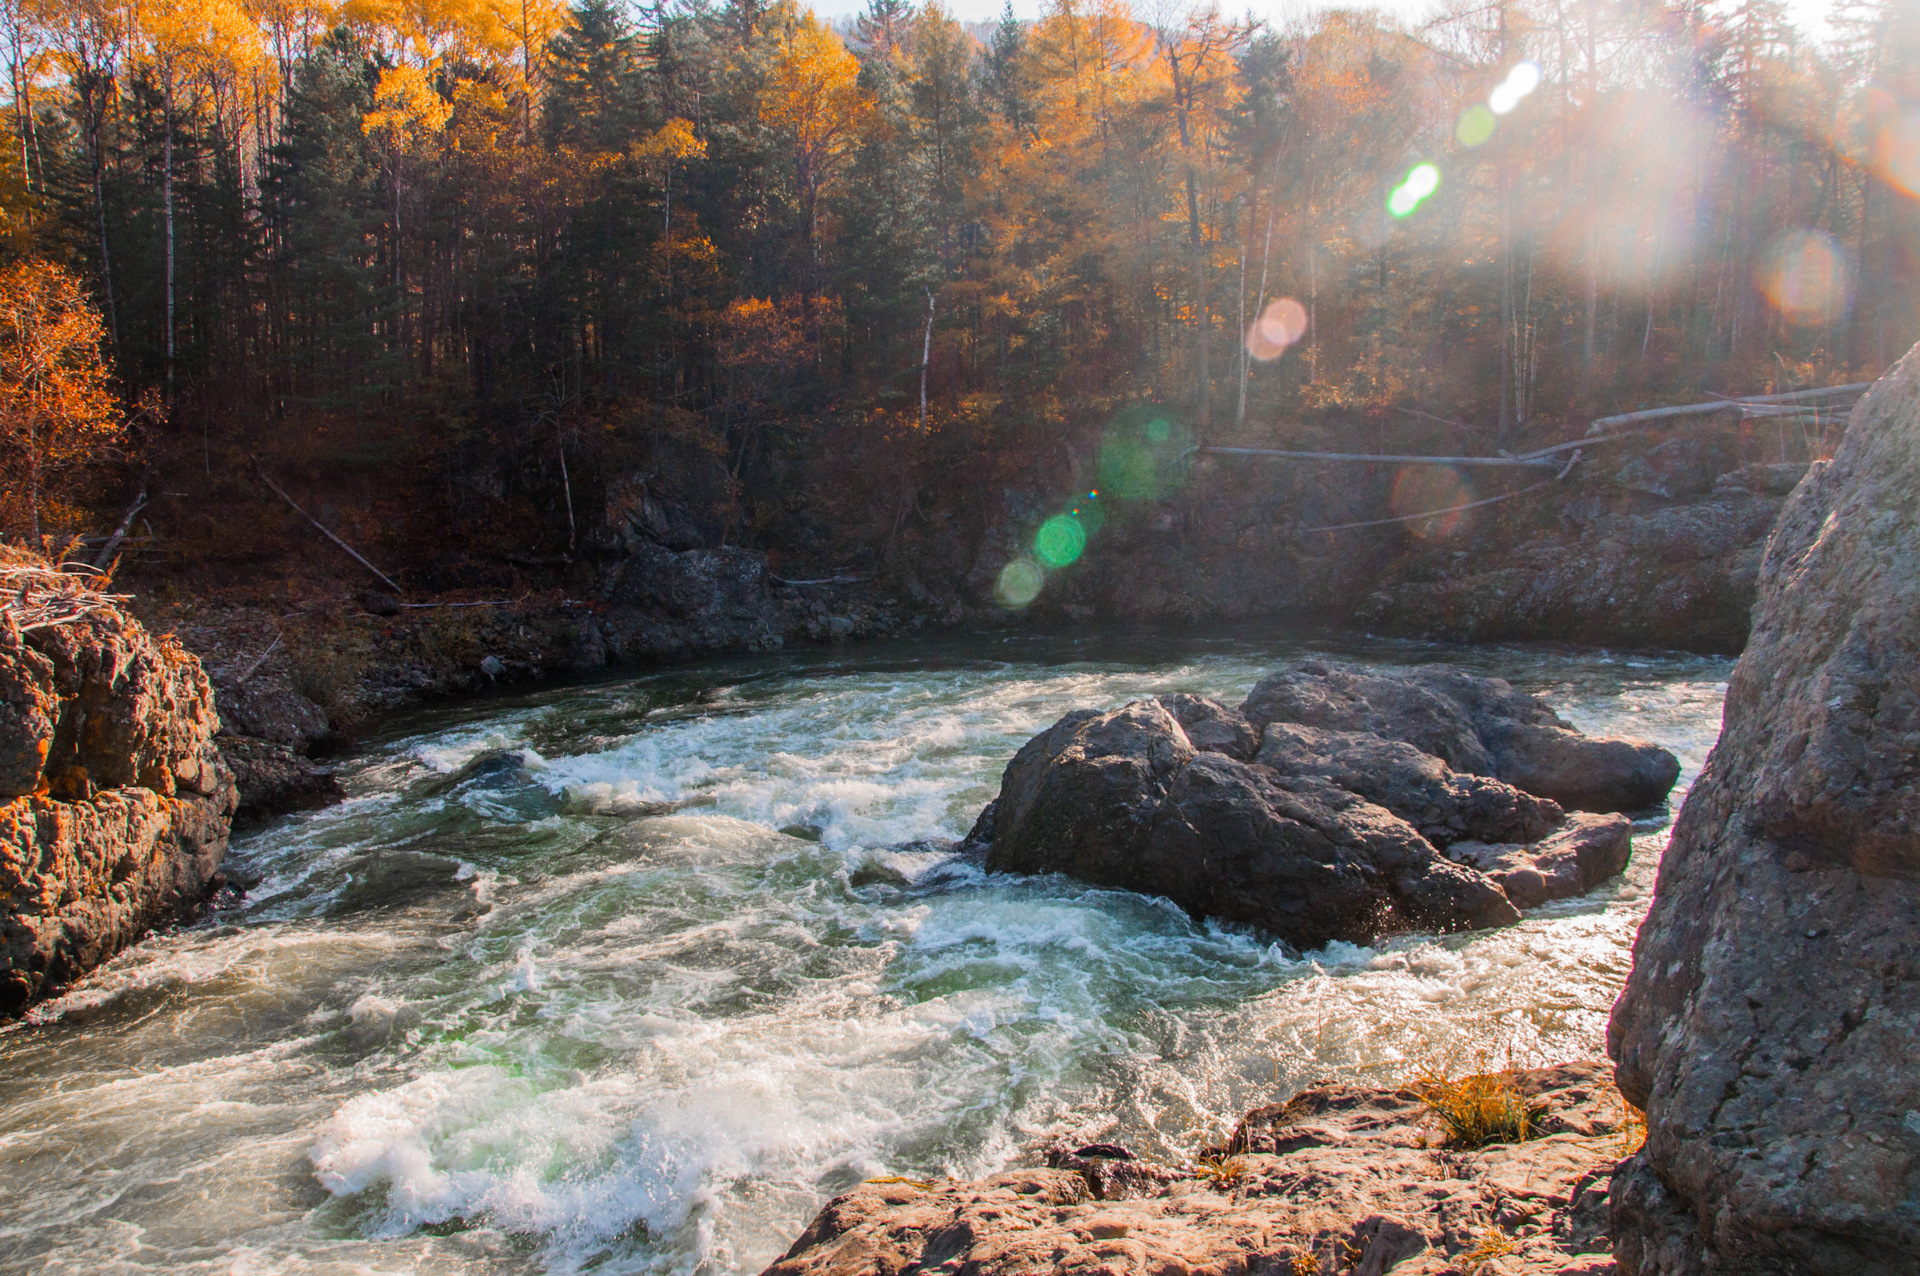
<point x="1384" y="458"/>
<point x="254" y="668"/>
<point x="824" y="580"/>
<point x="491" y="602"/>
<point x="41" y="597"/>
<point x="323" y="530"/>
<point x="1414" y="518"/>
<point x="105" y="556"/>
<point x="1602" y="424"/>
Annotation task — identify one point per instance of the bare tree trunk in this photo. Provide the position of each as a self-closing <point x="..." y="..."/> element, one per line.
<point x="1259" y="308"/>
<point x="100" y="212"/>
<point x="926" y="354"/>
<point x="166" y="182"/>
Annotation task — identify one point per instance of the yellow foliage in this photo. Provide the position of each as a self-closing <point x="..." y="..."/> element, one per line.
<point x="813" y="97"/>
<point x="406" y="108"/>
<point x="674" y="140"/>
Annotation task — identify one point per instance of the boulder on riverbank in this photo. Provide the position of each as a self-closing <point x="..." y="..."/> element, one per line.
<point x="114" y="802"/>
<point x="1768" y="1025"/>
<point x="1334" y="804"/>
<point x="1338" y="1179"/>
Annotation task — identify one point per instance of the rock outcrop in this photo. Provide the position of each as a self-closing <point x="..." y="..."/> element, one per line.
<point x="1768" y="1025"/>
<point x="1337" y="1179"/>
<point x="116" y="802"/>
<point x="1335" y="804"/>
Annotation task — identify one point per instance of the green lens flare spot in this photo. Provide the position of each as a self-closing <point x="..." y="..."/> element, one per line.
<point x="1476" y="126"/>
<point x="1061" y="541"/>
<point x="1159" y="431"/>
<point x="1020" y="582"/>
<point x="1422" y="181"/>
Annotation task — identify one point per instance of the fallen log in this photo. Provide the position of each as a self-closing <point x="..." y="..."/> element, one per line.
<point x="323" y="529"/>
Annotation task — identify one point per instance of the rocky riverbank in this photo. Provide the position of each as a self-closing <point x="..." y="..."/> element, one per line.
<point x="1336" y="1179"/>
<point x="1651" y="545"/>
<point x="114" y="801"/>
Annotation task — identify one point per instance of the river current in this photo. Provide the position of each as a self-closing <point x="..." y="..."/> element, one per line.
<point x="592" y="1010"/>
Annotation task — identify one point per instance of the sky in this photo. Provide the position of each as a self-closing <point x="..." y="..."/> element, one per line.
<point x="1809" y="14"/>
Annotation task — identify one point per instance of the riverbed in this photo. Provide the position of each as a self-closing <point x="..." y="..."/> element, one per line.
<point x="632" y="976"/>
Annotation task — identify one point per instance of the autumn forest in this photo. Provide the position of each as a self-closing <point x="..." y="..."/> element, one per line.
<point x="466" y="263"/>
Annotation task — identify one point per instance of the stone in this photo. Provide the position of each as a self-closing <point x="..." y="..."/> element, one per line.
<point x="122" y="824"/>
<point x="271" y="710"/>
<point x="1211" y="726"/>
<point x="1585" y="851"/>
<point x="1767" y="1026"/>
<point x="377" y="602"/>
<point x="1328" y="829"/>
<point x="1124" y="799"/>
<point x="1481" y="726"/>
<point x="1370" y="1195"/>
<point x="1443" y="804"/>
<point x="272" y="779"/>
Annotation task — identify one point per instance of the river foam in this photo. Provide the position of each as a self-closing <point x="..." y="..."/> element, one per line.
<point x="554" y="992"/>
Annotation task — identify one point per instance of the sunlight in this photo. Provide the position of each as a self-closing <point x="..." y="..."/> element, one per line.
<point x="1282" y="324"/>
<point x="1520" y="81"/>
<point x="1806" y="276"/>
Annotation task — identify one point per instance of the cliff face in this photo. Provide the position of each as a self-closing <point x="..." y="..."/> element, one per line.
<point x="1769" y="1022"/>
<point x="114" y="802"/>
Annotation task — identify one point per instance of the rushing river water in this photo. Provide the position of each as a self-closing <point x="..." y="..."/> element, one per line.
<point x="597" y="1012"/>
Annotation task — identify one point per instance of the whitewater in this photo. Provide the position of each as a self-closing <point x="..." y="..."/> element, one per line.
<point x="632" y="976"/>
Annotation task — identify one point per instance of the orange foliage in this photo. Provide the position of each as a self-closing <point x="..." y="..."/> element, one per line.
<point x="56" y="410"/>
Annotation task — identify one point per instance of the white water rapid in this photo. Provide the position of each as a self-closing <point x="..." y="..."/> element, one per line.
<point x="593" y="1011"/>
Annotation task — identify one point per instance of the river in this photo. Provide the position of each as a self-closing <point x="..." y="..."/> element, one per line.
<point x="591" y="1010"/>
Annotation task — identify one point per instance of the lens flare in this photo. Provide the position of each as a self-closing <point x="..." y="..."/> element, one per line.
<point x="1422" y="181"/>
<point x="1060" y="541"/>
<point x="1158" y="430"/>
<point x="1520" y="81"/>
<point x="1279" y="326"/>
<point x="1475" y="127"/>
<point x="1418" y="489"/>
<point x="1805" y="274"/>
<point x="1896" y="153"/>
<point x="1019" y="583"/>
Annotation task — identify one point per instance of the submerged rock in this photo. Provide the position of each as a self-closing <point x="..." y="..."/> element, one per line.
<point x="1768" y="1025"/>
<point x="1314" y="811"/>
<point x="114" y="802"/>
<point x="1337" y="1179"/>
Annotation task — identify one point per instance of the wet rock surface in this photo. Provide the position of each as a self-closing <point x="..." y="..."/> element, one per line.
<point x="1337" y="1179"/>
<point x="1768" y="1023"/>
<point x="116" y="802"/>
<point x="1332" y="826"/>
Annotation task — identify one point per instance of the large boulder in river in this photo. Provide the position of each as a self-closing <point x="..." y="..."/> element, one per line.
<point x="114" y="802"/>
<point x="1311" y="833"/>
<point x="1124" y="799"/>
<point x="1769" y="1024"/>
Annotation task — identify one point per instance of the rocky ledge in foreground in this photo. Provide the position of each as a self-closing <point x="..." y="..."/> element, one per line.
<point x="1334" y="804"/>
<point x="1338" y="1179"/>
<point x="1769" y="1024"/>
<point x="114" y="802"/>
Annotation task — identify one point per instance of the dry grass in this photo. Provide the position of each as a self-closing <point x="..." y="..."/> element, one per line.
<point x="1489" y="1247"/>
<point x="1476" y="1110"/>
<point x="1633" y="1130"/>
<point x="1304" y="1265"/>
<point x="1223" y="1170"/>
